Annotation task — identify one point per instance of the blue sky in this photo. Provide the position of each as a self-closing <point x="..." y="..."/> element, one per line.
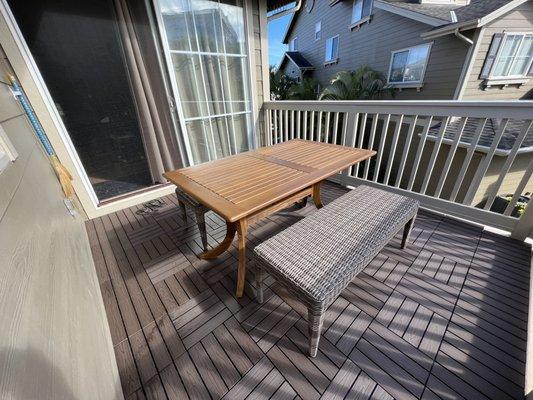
<point x="276" y="29"/>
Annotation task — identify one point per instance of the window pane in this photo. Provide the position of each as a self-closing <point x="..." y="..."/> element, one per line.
<point x="398" y="66"/>
<point x="335" y="48"/>
<point x="179" y="25"/>
<point x="415" y="64"/>
<point x="197" y="132"/>
<point x="357" y="11"/>
<point x="505" y="59"/>
<point x="232" y="17"/>
<point x="329" y="49"/>
<point x="523" y="57"/>
<point x="188" y="78"/>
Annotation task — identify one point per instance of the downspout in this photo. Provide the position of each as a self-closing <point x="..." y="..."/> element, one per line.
<point x="456" y="32"/>
<point x="282" y="13"/>
<point x="469" y="62"/>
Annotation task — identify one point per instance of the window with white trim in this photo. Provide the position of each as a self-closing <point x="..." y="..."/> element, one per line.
<point x="8" y="154"/>
<point x="510" y="56"/>
<point x="360" y="10"/>
<point x="332" y="49"/>
<point x="293" y="44"/>
<point x="409" y="65"/>
<point x="318" y="30"/>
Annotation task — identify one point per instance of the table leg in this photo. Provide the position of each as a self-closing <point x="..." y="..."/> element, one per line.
<point x="223" y="246"/>
<point x="316" y="195"/>
<point x="242" y="228"/>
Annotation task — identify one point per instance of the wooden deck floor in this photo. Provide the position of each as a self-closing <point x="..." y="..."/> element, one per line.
<point x="445" y="318"/>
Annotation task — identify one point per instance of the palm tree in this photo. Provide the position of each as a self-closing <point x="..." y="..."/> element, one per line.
<point x="307" y="89"/>
<point x="279" y="84"/>
<point x="364" y="83"/>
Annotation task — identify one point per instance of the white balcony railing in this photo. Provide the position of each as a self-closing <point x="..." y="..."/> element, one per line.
<point x="472" y="160"/>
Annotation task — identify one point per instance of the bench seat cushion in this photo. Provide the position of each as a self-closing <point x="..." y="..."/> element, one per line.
<point x="319" y="255"/>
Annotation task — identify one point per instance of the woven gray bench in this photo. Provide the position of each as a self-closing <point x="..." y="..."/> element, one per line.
<point x="317" y="257"/>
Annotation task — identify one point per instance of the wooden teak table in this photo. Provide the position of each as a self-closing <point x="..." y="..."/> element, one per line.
<point x="250" y="186"/>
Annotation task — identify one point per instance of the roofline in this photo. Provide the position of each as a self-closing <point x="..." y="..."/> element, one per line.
<point x="425" y="19"/>
<point x="286" y="55"/>
<point x="474" y="23"/>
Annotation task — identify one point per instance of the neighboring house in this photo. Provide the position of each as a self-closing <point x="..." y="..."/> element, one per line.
<point x="455" y="49"/>
<point x="295" y="65"/>
<point x="428" y="50"/>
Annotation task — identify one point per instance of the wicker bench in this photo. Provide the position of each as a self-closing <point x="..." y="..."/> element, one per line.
<point x="317" y="257"/>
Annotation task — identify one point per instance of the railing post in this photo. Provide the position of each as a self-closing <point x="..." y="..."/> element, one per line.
<point x="524" y="226"/>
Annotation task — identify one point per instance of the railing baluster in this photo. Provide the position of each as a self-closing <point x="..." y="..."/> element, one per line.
<point x="319" y="127"/>
<point x="449" y="159"/>
<point x="305" y="125"/>
<point x="298" y="118"/>
<point x="269" y="127"/>
<point x="326" y="130"/>
<point x="371" y="143"/>
<point x="335" y="127"/>
<point x="392" y="152"/>
<point x="276" y="116"/>
<point x="360" y="141"/>
<point x="521" y="186"/>
<point x="312" y="135"/>
<point x="507" y="166"/>
<point x="406" y="148"/>
<point x="381" y="146"/>
<point x="484" y="166"/>
<point x="292" y="124"/>
<point x="286" y="120"/>
<point x="468" y="159"/>
<point x="419" y="152"/>
<point x="433" y="159"/>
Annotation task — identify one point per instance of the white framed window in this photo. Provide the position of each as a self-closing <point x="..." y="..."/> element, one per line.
<point x="409" y="65"/>
<point x="332" y="49"/>
<point x="361" y="9"/>
<point x="293" y="44"/>
<point x="318" y="30"/>
<point x="8" y="154"/>
<point x="510" y="56"/>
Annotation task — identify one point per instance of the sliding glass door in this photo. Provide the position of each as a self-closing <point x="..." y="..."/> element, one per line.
<point x="207" y="55"/>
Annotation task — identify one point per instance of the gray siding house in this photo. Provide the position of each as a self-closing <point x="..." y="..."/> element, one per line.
<point x="428" y="49"/>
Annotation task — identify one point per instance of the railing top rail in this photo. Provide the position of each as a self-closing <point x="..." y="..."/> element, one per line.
<point x="514" y="109"/>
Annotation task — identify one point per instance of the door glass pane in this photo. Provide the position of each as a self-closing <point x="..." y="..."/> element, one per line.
<point x="211" y="79"/>
<point x="78" y="50"/>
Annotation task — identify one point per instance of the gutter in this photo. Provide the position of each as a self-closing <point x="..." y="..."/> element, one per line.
<point x="282" y="13"/>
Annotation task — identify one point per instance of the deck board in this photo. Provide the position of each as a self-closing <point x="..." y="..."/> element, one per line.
<point x="444" y="318"/>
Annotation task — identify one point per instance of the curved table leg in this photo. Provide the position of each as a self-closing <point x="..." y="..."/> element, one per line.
<point x="223" y="246"/>
<point x="242" y="228"/>
<point x="316" y="195"/>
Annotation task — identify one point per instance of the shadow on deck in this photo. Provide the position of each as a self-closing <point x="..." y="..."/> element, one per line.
<point x="444" y="318"/>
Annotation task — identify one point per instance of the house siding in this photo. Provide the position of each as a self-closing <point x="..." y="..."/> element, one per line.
<point x="373" y="43"/>
<point x="259" y="63"/>
<point x="518" y="20"/>
<point x="55" y="341"/>
<point x="291" y="70"/>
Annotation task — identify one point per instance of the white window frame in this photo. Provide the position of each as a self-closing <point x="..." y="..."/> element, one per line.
<point x="292" y="46"/>
<point x="355" y="23"/>
<point x="410" y="83"/>
<point x="318" y="30"/>
<point x="491" y="75"/>
<point x="335" y="57"/>
<point x="8" y="154"/>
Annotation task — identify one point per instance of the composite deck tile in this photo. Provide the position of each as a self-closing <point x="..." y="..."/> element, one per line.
<point x="445" y="318"/>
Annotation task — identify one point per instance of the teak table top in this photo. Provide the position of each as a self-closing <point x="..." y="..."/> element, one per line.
<point x="238" y="186"/>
